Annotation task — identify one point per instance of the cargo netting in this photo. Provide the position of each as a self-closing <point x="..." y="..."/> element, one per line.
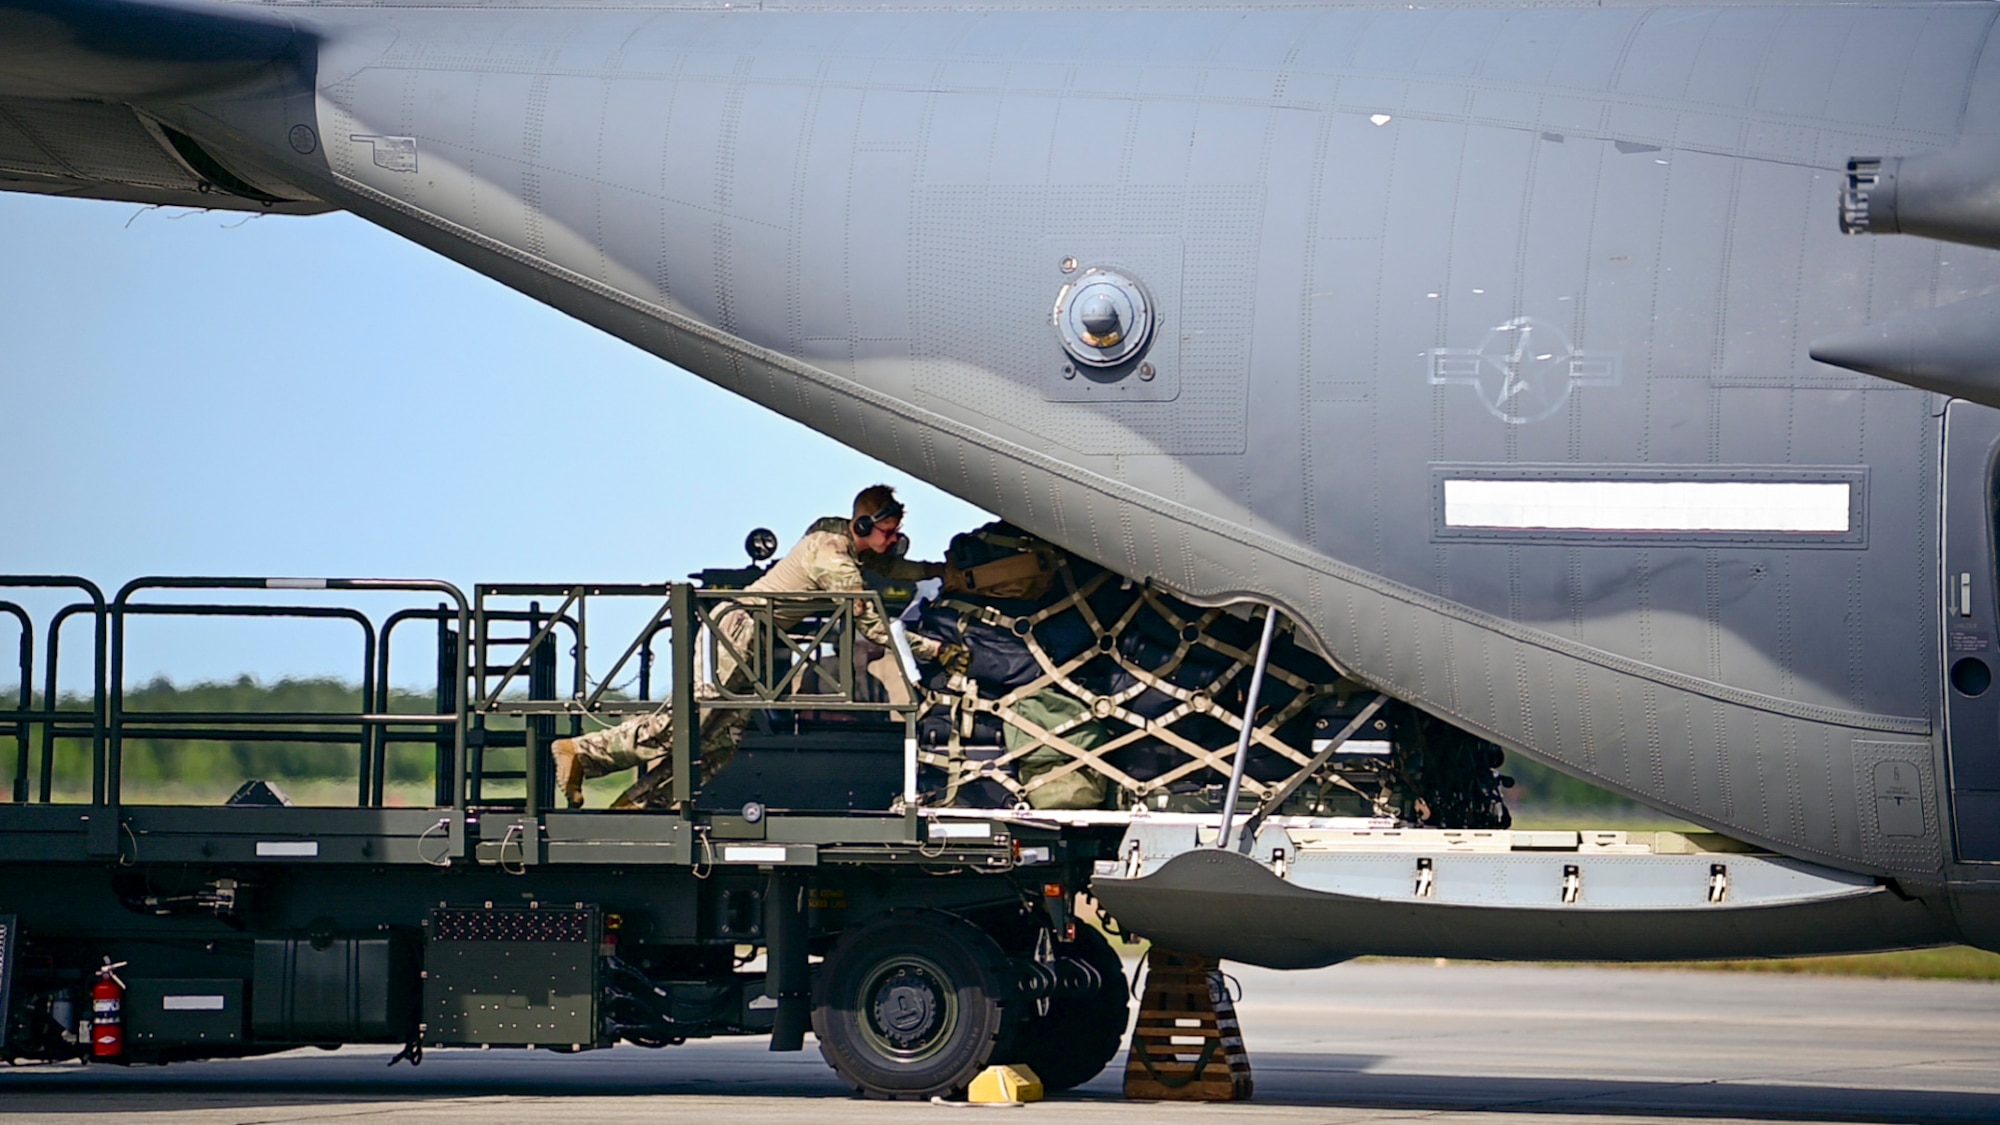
<point x="1086" y="690"/>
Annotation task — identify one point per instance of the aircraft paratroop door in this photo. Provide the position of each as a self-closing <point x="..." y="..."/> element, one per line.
<point x="1971" y="660"/>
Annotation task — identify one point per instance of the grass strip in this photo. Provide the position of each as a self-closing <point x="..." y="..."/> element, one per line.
<point x="1952" y="962"/>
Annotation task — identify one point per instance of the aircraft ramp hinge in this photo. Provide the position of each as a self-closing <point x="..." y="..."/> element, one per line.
<point x="1572" y="883"/>
<point x="1280" y="865"/>
<point x="1135" y="860"/>
<point x="1718" y="882"/>
<point x="1426" y="878"/>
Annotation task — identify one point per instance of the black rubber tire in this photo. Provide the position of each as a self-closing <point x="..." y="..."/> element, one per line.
<point x="1081" y="1034"/>
<point x="947" y="980"/>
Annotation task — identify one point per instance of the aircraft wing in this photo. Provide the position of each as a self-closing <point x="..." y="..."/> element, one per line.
<point x="76" y="77"/>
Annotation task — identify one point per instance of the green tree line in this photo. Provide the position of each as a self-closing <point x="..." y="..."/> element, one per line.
<point x="205" y="764"/>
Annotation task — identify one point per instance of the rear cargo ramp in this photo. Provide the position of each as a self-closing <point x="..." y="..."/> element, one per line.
<point x="1304" y="900"/>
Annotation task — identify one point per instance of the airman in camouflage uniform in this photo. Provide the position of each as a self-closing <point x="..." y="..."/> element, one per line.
<point x="828" y="559"/>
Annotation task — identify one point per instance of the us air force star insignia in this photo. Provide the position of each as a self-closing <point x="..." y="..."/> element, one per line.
<point x="1524" y="370"/>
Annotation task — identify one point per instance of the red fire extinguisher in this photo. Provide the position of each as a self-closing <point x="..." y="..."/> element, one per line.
<point x="107" y="1013"/>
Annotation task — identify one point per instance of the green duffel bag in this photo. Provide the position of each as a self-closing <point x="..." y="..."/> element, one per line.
<point x="1078" y="789"/>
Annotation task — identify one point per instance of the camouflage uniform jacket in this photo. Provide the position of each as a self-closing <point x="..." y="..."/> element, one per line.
<point x="825" y="560"/>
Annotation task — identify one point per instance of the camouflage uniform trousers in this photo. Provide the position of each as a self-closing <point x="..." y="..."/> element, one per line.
<point x="646" y="741"/>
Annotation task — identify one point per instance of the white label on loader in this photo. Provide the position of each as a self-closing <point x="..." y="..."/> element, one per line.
<point x="288" y="847"/>
<point x="1354" y="746"/>
<point x="943" y="831"/>
<point x="192" y="1003"/>
<point x="738" y="853"/>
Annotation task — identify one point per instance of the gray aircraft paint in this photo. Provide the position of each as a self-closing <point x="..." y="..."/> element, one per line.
<point x="1345" y="217"/>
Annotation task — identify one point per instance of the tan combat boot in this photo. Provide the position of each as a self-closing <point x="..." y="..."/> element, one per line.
<point x="569" y="771"/>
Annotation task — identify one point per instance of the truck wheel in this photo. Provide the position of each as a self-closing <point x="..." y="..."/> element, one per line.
<point x="912" y="1005"/>
<point x="1081" y="1034"/>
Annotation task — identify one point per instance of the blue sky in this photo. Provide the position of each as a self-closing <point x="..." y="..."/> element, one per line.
<point x="194" y="393"/>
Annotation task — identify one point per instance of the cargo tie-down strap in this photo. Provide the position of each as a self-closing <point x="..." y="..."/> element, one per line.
<point x="1054" y="712"/>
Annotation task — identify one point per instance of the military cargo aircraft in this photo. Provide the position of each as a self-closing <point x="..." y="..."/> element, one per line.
<point x="1526" y="356"/>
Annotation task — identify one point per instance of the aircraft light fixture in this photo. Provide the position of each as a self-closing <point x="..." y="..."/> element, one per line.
<point x="1103" y="327"/>
<point x="1103" y="318"/>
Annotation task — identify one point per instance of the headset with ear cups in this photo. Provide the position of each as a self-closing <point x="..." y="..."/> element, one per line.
<point x="864" y="526"/>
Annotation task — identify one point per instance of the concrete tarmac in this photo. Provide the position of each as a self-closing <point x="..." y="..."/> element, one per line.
<point x="1474" y="1044"/>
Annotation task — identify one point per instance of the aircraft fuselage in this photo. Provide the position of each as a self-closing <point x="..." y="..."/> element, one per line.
<point x="1477" y="338"/>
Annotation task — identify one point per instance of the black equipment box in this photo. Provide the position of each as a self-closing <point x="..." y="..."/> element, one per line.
<point x="338" y="990"/>
<point x="183" y="1013"/>
<point x="511" y="976"/>
<point x="823" y="771"/>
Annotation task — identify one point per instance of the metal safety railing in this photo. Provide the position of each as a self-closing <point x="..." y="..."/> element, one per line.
<point x="372" y="722"/>
<point x="108" y="722"/>
<point x="55" y="721"/>
<point x="779" y="656"/>
<point x="764" y="653"/>
<point x="525" y="686"/>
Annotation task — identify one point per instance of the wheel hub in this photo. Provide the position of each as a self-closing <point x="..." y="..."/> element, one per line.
<point x="908" y="1008"/>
